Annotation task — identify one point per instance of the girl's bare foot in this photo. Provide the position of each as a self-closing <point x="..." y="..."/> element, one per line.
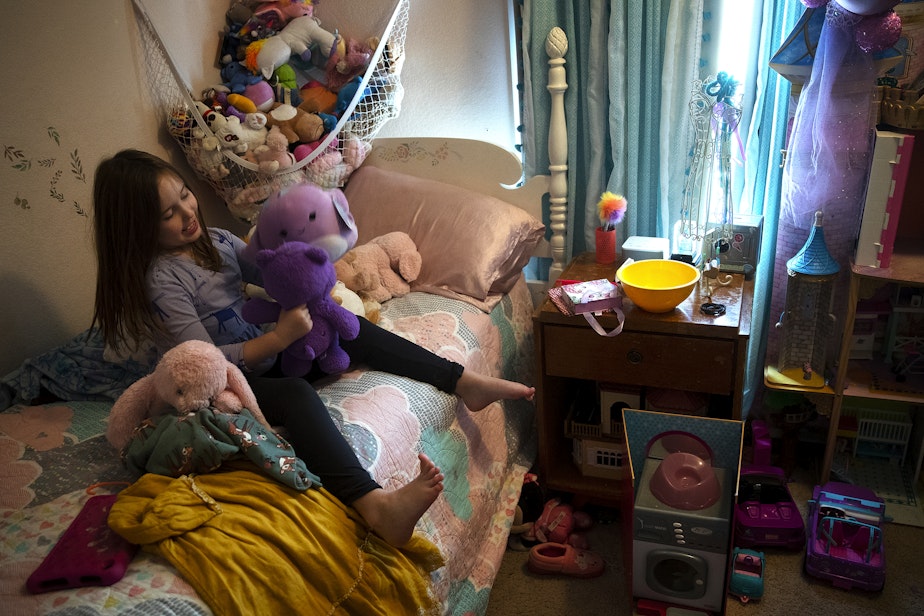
<point x="393" y="515"/>
<point x="478" y="390"/>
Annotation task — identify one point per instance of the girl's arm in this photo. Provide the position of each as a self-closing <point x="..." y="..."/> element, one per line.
<point x="197" y="304"/>
<point x="182" y="322"/>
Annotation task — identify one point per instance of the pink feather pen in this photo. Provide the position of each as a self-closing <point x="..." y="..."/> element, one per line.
<point x="611" y="209"/>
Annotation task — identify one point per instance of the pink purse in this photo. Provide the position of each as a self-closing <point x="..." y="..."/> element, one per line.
<point x="89" y="553"/>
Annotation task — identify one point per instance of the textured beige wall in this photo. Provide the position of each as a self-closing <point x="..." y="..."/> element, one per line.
<point x="74" y="90"/>
<point x="458" y="77"/>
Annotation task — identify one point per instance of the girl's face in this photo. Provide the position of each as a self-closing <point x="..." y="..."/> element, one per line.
<point x="179" y="222"/>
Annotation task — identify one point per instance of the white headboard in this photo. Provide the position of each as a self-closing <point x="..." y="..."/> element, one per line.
<point x="493" y="170"/>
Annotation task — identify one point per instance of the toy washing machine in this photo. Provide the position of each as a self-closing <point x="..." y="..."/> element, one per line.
<point x="682" y="527"/>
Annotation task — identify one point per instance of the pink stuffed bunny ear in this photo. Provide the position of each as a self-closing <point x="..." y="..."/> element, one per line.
<point x="239" y="386"/>
<point x="129" y="410"/>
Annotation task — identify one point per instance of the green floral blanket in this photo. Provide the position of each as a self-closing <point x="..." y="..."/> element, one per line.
<point x="199" y="442"/>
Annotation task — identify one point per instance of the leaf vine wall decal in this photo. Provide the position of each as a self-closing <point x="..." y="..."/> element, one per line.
<point x="21" y="161"/>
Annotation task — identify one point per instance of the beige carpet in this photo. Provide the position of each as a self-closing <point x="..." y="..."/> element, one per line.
<point x="788" y="591"/>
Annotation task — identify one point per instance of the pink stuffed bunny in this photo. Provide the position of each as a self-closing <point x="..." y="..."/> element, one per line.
<point x="190" y="376"/>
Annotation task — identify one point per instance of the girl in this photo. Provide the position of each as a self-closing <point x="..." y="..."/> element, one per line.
<point x="163" y="276"/>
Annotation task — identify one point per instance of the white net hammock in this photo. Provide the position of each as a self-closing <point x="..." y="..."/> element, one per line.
<point x="245" y="186"/>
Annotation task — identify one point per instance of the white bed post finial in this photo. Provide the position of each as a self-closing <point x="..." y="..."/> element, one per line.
<point x="556" y="46"/>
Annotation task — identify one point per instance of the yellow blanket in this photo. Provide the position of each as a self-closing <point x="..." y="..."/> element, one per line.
<point x="250" y="545"/>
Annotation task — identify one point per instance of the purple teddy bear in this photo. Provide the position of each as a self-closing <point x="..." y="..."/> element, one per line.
<point x="296" y="273"/>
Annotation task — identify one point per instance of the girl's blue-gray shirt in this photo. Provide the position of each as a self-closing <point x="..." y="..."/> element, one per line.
<point x="196" y="303"/>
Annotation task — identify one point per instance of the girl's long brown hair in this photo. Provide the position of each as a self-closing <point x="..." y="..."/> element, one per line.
<point x="126" y="219"/>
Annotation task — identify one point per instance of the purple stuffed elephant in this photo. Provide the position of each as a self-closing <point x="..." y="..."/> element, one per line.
<point x="305" y="213"/>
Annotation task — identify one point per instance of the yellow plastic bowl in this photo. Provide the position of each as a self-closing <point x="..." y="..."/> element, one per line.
<point x="658" y="285"/>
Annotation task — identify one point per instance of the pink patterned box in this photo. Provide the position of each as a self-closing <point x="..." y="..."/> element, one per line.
<point x="591" y="296"/>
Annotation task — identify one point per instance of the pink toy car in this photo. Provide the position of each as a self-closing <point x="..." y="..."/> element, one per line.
<point x="766" y="515"/>
<point x="844" y="542"/>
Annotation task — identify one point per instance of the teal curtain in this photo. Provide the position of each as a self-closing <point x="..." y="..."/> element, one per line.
<point x="766" y="139"/>
<point x="630" y="69"/>
<point x="613" y="105"/>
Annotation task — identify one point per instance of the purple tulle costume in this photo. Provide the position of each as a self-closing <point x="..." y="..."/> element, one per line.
<point x="832" y="134"/>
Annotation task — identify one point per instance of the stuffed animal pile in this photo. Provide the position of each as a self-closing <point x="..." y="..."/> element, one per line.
<point x="537" y="520"/>
<point x="280" y="68"/>
<point x="355" y="279"/>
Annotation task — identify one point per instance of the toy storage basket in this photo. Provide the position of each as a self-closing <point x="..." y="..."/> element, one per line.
<point x="245" y="187"/>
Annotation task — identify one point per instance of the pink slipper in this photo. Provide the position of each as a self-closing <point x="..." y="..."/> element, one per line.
<point x="563" y="559"/>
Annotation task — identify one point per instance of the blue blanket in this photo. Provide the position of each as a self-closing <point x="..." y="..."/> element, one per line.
<point x="77" y="370"/>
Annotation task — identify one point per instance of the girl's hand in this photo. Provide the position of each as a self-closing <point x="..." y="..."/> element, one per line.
<point x="293" y="324"/>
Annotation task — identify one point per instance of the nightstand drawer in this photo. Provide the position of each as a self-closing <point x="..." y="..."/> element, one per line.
<point x="655" y="360"/>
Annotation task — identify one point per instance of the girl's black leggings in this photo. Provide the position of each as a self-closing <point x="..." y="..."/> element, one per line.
<point x="293" y="402"/>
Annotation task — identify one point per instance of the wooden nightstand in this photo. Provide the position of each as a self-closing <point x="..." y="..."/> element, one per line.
<point x="683" y="349"/>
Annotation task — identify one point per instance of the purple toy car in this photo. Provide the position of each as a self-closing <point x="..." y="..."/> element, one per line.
<point x="844" y="543"/>
<point x="766" y="514"/>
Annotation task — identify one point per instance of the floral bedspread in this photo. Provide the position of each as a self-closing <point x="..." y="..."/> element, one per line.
<point x="51" y="454"/>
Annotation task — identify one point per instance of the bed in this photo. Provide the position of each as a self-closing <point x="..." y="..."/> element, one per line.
<point x="475" y="223"/>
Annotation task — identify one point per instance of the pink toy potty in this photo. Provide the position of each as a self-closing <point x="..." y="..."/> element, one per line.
<point x="685" y="481"/>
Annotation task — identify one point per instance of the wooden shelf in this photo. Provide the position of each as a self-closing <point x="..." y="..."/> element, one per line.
<point x="855" y="377"/>
<point x="906" y="267"/>
<point x="861" y="374"/>
<point x="567" y="477"/>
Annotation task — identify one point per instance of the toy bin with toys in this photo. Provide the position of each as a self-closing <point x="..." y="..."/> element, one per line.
<point x="324" y="75"/>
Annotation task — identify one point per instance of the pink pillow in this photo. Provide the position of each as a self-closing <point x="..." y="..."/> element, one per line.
<point x="470" y="243"/>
